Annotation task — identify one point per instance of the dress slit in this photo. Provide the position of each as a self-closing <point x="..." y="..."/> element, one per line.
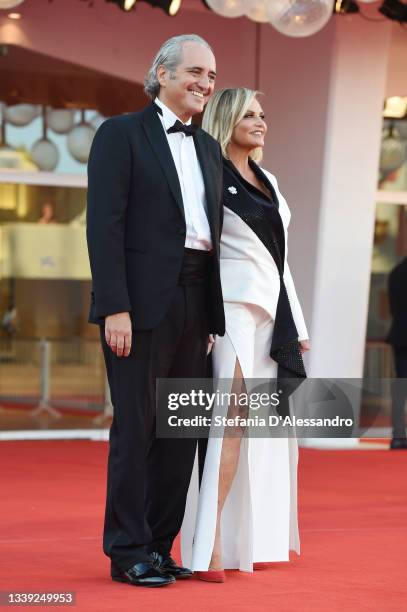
<point x="258" y="522"/>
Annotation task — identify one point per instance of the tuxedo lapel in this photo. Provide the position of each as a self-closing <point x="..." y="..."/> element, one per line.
<point x="205" y="161"/>
<point x="156" y="136"/>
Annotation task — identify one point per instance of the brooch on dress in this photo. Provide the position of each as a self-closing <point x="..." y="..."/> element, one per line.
<point x="232" y="190"/>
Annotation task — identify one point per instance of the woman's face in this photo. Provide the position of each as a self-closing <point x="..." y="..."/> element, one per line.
<point x="249" y="133"/>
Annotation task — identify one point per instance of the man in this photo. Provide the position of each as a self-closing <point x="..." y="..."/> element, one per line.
<point x="153" y="226"/>
<point x="397" y="337"/>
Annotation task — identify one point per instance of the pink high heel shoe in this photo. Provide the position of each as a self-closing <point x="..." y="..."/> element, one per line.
<point x="212" y="576"/>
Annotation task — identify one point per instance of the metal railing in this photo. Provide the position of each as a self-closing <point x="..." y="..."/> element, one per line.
<point x="53" y="374"/>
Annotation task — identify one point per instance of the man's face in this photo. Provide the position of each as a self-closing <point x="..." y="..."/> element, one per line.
<point x="187" y="90"/>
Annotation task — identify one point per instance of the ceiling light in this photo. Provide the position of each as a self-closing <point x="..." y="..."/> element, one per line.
<point x="343" y="7"/>
<point x="395" y="10"/>
<point x="174" y="7"/>
<point x="9" y="4"/>
<point x="228" y="8"/>
<point x="125" y="5"/>
<point x="171" y="7"/>
<point x="395" y="107"/>
<point x="300" y="18"/>
<point x="14" y="15"/>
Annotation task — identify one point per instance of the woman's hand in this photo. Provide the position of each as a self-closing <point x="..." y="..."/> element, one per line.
<point x="211" y="342"/>
<point x="304" y="346"/>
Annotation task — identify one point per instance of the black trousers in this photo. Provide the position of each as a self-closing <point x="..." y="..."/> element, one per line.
<point x="399" y="393"/>
<point x="148" y="477"/>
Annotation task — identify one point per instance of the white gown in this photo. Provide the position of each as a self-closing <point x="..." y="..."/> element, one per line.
<point x="259" y="518"/>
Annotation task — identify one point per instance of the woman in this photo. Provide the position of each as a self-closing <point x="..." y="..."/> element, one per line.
<point x="246" y="509"/>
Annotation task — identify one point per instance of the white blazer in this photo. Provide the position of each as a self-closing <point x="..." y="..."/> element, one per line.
<point x="248" y="271"/>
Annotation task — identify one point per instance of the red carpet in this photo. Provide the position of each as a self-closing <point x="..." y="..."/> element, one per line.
<point x="353" y="526"/>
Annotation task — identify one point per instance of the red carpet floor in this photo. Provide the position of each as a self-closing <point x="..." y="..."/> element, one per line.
<point x="353" y="526"/>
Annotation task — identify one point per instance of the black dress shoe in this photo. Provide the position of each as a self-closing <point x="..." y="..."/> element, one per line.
<point x="166" y="564"/>
<point x="142" y="574"/>
<point x="398" y="443"/>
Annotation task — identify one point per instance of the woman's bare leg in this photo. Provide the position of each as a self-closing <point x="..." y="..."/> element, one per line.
<point x="229" y="460"/>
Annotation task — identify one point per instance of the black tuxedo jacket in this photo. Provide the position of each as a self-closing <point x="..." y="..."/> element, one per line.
<point x="136" y="223"/>
<point x="397" y="286"/>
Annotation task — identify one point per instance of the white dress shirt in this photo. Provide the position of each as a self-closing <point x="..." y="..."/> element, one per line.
<point x="191" y="181"/>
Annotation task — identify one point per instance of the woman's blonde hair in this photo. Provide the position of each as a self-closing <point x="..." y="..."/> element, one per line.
<point x="224" y="110"/>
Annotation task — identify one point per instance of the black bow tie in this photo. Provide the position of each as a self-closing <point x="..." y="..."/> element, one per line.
<point x="189" y="130"/>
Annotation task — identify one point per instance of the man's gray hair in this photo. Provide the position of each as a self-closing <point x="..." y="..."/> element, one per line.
<point x="170" y="56"/>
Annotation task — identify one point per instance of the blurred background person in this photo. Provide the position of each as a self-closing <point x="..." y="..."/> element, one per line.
<point x="9" y="325"/>
<point x="47" y="213"/>
<point x="397" y="337"/>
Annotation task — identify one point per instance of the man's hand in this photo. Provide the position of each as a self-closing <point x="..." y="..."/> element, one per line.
<point x="304" y="345"/>
<point x="118" y="333"/>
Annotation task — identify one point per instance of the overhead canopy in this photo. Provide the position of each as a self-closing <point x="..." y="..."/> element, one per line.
<point x="34" y="78"/>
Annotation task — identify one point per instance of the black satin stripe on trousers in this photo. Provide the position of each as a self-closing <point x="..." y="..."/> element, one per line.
<point x="148" y="478"/>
